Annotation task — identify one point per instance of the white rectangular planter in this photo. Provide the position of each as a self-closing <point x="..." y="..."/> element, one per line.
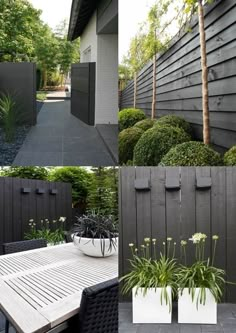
<point x="148" y="308"/>
<point x="188" y="312"/>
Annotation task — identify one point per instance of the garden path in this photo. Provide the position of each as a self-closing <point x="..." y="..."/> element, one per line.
<point x="60" y="139"/>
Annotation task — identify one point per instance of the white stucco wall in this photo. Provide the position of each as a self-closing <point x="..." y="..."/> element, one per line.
<point x="107" y="80"/>
<point x="89" y="40"/>
<point x="104" y="51"/>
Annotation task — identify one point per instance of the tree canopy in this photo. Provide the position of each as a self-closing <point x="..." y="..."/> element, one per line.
<point x="24" y="37"/>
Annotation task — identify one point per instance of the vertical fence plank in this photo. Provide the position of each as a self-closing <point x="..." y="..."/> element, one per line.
<point x="143" y="207"/>
<point x="203" y="209"/>
<point x="2" y="218"/>
<point x="158" y="204"/>
<point x="8" y="226"/>
<point x="173" y="222"/>
<point x="231" y="231"/>
<point x="188" y="209"/>
<point x="16" y="212"/>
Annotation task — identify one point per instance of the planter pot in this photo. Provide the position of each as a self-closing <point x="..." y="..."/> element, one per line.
<point x="92" y="247"/>
<point x="189" y="313"/>
<point x="148" y="308"/>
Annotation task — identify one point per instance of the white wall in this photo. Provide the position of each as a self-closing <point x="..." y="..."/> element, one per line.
<point x="107" y="80"/>
<point x="89" y="39"/>
<point x="104" y="51"/>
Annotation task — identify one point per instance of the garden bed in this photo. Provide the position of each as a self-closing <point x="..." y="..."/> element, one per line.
<point x="9" y="150"/>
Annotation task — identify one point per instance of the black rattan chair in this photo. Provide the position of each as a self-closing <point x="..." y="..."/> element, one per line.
<point x="98" y="309"/>
<point x="20" y="247"/>
<point x="23" y="245"/>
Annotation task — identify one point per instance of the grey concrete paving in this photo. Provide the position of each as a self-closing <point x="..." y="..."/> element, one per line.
<point x="109" y="134"/>
<point x="59" y="139"/>
<point x="226" y="322"/>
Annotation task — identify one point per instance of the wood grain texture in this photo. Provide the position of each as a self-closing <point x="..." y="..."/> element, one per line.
<point x="161" y="213"/>
<point x="47" y="284"/>
<point x="178" y="79"/>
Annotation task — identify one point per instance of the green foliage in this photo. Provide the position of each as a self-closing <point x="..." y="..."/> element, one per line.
<point x="202" y="273"/>
<point x="127" y="141"/>
<point x="41" y="96"/>
<point x="44" y="231"/>
<point x="29" y="172"/>
<point x="103" y="191"/>
<point x="145" y="124"/>
<point x="176" y="121"/>
<point x="8" y="116"/>
<point x="191" y="153"/>
<point x="156" y="142"/>
<point x="79" y="178"/>
<point x="19" y="28"/>
<point x="150" y="272"/>
<point x="97" y="226"/>
<point x="129" y="117"/>
<point x="230" y="157"/>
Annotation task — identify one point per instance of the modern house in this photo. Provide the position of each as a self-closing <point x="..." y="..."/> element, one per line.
<point x="94" y="97"/>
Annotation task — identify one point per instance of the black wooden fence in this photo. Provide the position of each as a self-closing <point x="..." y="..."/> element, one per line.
<point x="178" y="78"/>
<point x="19" y="80"/>
<point x="177" y="202"/>
<point x="24" y="199"/>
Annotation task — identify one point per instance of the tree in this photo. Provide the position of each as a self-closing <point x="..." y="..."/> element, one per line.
<point x="103" y="192"/>
<point x="191" y="6"/>
<point x="156" y="39"/>
<point x="46" y="49"/>
<point x="19" y="25"/>
<point x="25" y="172"/>
<point x="79" y="178"/>
<point x="69" y="52"/>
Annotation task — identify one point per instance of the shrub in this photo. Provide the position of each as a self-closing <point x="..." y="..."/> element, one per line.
<point x="172" y="120"/>
<point x="191" y="154"/>
<point x="127" y="141"/>
<point x="8" y="116"/>
<point x="156" y="142"/>
<point x="230" y="157"/>
<point x="128" y="117"/>
<point x="145" y="124"/>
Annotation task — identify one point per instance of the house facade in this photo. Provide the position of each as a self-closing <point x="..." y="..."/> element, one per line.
<point x="96" y="23"/>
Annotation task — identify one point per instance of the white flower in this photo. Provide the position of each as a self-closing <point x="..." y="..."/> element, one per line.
<point x="131" y="245"/>
<point x="169" y="239"/>
<point x="215" y="237"/>
<point x="31" y="220"/>
<point x="198" y="237"/>
<point x="62" y="219"/>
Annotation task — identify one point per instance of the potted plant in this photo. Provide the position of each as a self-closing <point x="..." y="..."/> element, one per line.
<point x="200" y="285"/>
<point x="152" y="282"/>
<point x="96" y="235"/>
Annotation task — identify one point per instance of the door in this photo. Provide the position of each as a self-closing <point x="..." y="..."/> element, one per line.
<point x="83" y="92"/>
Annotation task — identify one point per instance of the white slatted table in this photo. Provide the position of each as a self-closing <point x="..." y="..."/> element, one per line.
<point x="42" y="288"/>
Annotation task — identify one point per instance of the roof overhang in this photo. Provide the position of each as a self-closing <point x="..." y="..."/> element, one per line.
<point x="81" y="12"/>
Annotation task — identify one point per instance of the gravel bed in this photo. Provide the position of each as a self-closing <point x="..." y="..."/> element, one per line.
<point x="8" y="151"/>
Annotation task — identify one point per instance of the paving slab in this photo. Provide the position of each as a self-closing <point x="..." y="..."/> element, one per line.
<point x="60" y="139"/>
<point x="226" y="322"/>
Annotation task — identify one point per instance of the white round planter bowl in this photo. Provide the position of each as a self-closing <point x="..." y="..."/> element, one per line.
<point x="92" y="248"/>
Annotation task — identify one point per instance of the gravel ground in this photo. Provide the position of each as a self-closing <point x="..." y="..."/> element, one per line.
<point x="8" y="151"/>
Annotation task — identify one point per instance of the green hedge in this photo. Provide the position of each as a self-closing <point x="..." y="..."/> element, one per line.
<point x="172" y="120"/>
<point x="156" y="142"/>
<point x="145" y="124"/>
<point x="230" y="157"/>
<point x="127" y="141"/>
<point x="191" y="153"/>
<point x="129" y="117"/>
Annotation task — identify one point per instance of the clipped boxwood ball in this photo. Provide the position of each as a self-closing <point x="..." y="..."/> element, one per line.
<point x="172" y="120"/>
<point x="230" y="157"/>
<point x="128" y="117"/>
<point x="156" y="142"/>
<point x="145" y="124"/>
<point x="191" y="153"/>
<point x="127" y="141"/>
